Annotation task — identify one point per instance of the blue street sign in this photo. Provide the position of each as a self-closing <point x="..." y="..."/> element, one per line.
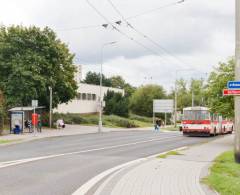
<point x="233" y="85"/>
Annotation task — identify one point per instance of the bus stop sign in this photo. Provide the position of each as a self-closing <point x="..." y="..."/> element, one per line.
<point x="233" y="85"/>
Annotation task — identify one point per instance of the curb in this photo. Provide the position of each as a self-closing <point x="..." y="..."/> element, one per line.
<point x="92" y="182"/>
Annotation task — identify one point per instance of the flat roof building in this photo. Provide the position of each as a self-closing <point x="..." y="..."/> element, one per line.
<point x="88" y="97"/>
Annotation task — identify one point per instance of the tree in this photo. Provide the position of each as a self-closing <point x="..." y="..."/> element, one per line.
<point x="2" y="113"/>
<point x="32" y="60"/>
<point x="117" y="82"/>
<point x="197" y="88"/>
<point x="141" y="102"/>
<point x="94" y="79"/>
<point x="217" y="81"/>
<point x="116" y="104"/>
<point x="184" y="98"/>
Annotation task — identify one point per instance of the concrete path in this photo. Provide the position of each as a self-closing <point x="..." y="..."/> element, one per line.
<point x="175" y="175"/>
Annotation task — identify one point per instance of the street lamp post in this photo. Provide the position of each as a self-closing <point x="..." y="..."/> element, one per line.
<point x="100" y="109"/>
<point x="50" y="107"/>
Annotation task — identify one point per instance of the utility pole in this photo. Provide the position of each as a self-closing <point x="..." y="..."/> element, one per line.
<point x="175" y="103"/>
<point x="237" y="78"/>
<point x="100" y="89"/>
<point x="50" y="108"/>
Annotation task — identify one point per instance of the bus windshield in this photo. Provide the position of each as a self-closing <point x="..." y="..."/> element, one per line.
<point x="196" y="115"/>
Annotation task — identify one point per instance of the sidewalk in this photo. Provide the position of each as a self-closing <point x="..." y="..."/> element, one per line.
<point x="175" y="175"/>
<point x="69" y="130"/>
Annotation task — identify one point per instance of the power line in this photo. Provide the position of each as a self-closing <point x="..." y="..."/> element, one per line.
<point x="130" y="17"/>
<point x="144" y="35"/>
<point x="119" y="31"/>
<point x="156" y="9"/>
<point x="78" y="28"/>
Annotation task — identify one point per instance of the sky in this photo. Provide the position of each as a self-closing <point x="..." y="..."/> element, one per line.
<point x="183" y="40"/>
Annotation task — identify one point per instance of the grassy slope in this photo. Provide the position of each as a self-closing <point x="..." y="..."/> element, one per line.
<point x="108" y="121"/>
<point x="225" y="175"/>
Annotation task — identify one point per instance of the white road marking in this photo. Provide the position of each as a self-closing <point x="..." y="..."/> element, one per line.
<point x="22" y="161"/>
<point x="92" y="182"/>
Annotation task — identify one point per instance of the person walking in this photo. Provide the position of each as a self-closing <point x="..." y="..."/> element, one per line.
<point x="157" y="126"/>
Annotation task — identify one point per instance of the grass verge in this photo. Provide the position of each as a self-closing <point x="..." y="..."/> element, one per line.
<point x="108" y="120"/>
<point x="2" y="141"/>
<point x="170" y="153"/>
<point x="224" y="175"/>
<point x="171" y="128"/>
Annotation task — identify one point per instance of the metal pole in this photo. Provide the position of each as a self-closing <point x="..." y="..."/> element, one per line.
<point x="165" y="119"/>
<point x="50" y="108"/>
<point x="175" y="103"/>
<point x="237" y="78"/>
<point x="100" y="109"/>
<point x="34" y="125"/>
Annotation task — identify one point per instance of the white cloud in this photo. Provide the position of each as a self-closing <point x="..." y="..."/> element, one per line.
<point x="201" y="33"/>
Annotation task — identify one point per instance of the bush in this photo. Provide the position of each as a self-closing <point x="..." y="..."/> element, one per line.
<point x="141" y="102"/>
<point x="116" y="104"/>
<point x="120" y="122"/>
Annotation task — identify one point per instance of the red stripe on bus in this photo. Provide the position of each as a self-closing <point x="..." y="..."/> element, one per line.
<point x="206" y="122"/>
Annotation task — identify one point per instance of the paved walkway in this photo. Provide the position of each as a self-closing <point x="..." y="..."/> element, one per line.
<point x="175" y="175"/>
<point x="69" y="130"/>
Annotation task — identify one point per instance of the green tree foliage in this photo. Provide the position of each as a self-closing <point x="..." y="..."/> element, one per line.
<point x="31" y="60"/>
<point x="141" y="102"/>
<point x="116" y="104"/>
<point x="198" y="89"/>
<point x="2" y="112"/>
<point x="184" y="93"/>
<point x="184" y="98"/>
<point x="117" y="82"/>
<point x="216" y="83"/>
<point x="114" y="81"/>
<point x="94" y="78"/>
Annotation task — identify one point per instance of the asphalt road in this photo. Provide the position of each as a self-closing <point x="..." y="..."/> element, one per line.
<point x="81" y="158"/>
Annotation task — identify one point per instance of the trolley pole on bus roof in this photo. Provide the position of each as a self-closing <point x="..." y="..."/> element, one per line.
<point x="237" y="78"/>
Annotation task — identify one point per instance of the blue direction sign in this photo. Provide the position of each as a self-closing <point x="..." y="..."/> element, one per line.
<point x="233" y="84"/>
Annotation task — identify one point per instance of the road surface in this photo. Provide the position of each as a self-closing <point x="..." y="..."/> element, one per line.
<point x="68" y="162"/>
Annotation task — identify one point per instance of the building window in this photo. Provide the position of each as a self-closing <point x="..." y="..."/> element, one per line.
<point x="84" y="96"/>
<point x="79" y="96"/>
<point x="94" y="97"/>
<point x="89" y="96"/>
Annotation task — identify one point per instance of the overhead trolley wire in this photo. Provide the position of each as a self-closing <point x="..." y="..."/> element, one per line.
<point x="156" y="9"/>
<point x="118" y="30"/>
<point x="146" y="36"/>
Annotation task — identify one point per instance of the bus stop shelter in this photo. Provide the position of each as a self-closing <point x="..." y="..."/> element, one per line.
<point x="19" y="115"/>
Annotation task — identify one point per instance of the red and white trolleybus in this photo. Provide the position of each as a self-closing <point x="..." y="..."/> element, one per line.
<point x="199" y="121"/>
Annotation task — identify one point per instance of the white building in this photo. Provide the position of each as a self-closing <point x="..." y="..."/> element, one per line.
<point x="88" y="98"/>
